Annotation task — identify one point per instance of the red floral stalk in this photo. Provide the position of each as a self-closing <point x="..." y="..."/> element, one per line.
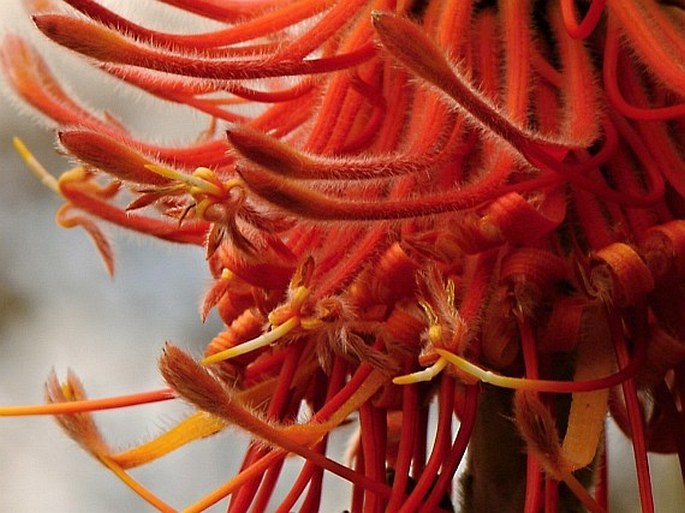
<point x="471" y="205"/>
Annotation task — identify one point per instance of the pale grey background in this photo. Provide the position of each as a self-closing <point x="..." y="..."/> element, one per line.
<point x="59" y="309"/>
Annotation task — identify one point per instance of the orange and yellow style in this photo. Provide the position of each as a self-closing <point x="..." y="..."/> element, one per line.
<point x="471" y="206"/>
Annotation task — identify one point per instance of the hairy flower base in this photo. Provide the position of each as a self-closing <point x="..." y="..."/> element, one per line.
<point x="470" y="206"/>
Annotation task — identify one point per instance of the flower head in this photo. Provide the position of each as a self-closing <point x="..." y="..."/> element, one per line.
<point x="474" y="204"/>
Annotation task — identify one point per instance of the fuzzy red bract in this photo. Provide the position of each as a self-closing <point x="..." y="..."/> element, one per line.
<point x="475" y="205"/>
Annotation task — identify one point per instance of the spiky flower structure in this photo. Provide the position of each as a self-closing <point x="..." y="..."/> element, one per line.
<point x="471" y="204"/>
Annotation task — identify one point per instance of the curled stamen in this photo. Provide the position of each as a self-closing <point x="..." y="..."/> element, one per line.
<point x="35" y="166"/>
<point x="197" y="179"/>
<point x="542" y="385"/>
<point x="263" y="340"/>
<point x="424" y="375"/>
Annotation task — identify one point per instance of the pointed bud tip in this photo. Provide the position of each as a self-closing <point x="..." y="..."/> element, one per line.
<point x="190" y="380"/>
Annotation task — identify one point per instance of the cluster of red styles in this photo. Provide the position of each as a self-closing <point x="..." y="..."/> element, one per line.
<point x="470" y="206"/>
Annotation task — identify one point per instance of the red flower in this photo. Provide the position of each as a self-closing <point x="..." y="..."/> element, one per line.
<point x="436" y="201"/>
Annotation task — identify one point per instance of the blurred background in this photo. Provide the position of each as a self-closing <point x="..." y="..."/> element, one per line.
<point x="59" y="309"/>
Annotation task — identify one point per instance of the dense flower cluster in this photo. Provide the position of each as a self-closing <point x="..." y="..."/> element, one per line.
<point x="471" y="204"/>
